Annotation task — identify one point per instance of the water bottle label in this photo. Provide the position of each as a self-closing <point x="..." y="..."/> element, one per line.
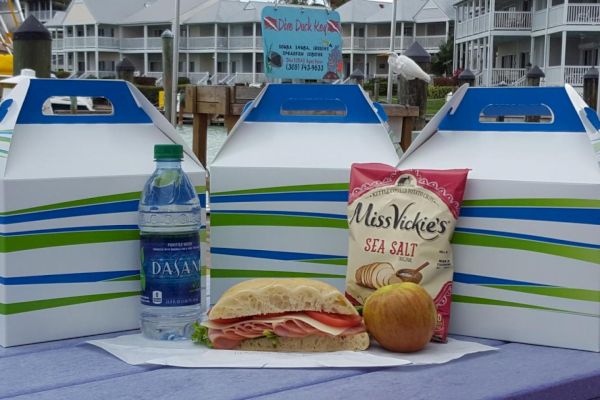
<point x="170" y="269"/>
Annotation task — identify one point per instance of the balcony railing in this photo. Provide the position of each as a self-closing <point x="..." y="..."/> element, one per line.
<point x="132" y="43"/>
<point x="43" y="15"/>
<point x="584" y="14"/>
<point x="200" y="42"/>
<point x="507" y="76"/>
<point x="106" y="42"/>
<point x="154" y="43"/>
<point x="79" y="42"/>
<point x="574" y="74"/>
<point x="241" y="42"/>
<point x="512" y="20"/>
<point x="58" y="44"/>
<point x="430" y="42"/>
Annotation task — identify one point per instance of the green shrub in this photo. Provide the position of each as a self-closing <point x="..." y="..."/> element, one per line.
<point x="438" y="92"/>
<point x="61" y="74"/>
<point x="151" y="92"/>
<point x="183" y="80"/>
<point x="144" y="80"/>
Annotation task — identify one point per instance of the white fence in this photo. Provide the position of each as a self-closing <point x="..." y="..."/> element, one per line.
<point x="586" y="14"/>
<point x="507" y="76"/>
<point x="512" y="20"/>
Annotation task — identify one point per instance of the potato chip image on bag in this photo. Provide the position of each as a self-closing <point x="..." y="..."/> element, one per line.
<point x="401" y="224"/>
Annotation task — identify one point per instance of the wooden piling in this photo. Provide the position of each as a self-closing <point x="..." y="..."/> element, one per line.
<point x="167" y="59"/>
<point x="32" y="48"/>
<point x="590" y="87"/>
<point x="414" y="92"/>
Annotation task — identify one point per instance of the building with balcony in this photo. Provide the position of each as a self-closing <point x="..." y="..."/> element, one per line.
<point x="500" y="39"/>
<point x="367" y="30"/>
<point x="221" y="40"/>
<point x="43" y="10"/>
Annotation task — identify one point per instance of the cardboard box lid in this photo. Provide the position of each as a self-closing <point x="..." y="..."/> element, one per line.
<point x="561" y="150"/>
<point x="36" y="145"/>
<point x="308" y="126"/>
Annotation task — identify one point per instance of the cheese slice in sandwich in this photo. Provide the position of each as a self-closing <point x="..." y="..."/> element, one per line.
<point x="292" y="314"/>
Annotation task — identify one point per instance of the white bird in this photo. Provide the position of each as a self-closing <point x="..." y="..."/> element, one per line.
<point x="402" y="65"/>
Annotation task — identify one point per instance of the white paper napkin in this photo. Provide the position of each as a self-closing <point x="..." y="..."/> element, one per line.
<point x="136" y="350"/>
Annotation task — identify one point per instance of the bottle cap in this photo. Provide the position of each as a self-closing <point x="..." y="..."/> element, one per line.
<point x="168" y="152"/>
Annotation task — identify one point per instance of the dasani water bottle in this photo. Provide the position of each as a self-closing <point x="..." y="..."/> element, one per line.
<point x="170" y="274"/>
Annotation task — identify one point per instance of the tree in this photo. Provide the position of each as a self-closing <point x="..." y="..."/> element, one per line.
<point x="441" y="63"/>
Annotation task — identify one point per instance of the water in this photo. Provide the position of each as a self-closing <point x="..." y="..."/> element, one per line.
<point x="216" y="137"/>
<point x="169" y="219"/>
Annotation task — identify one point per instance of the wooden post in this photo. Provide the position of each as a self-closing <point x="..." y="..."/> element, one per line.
<point x="204" y="101"/>
<point x="125" y="70"/>
<point x="590" y="87"/>
<point x="401" y="120"/>
<point x="415" y="93"/>
<point x="32" y="48"/>
<point x="167" y="59"/>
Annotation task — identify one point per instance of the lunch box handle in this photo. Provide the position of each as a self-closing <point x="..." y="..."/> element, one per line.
<point x="125" y="109"/>
<point x="489" y="109"/>
<point x="313" y="103"/>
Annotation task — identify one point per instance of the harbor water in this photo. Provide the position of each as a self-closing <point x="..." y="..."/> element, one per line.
<point x="216" y="137"/>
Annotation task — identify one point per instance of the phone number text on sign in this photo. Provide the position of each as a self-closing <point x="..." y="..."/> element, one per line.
<point x="301" y="43"/>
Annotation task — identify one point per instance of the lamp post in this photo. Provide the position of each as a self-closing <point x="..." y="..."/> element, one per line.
<point x="392" y="40"/>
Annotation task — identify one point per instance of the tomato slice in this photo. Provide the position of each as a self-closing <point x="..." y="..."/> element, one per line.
<point x="337" y="320"/>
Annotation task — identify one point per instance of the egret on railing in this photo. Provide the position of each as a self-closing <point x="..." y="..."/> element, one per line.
<point x="402" y="65"/>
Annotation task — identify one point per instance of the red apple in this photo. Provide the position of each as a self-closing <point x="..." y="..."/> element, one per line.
<point x="401" y="317"/>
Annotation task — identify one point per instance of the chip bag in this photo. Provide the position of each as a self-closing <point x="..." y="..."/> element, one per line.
<point x="401" y="224"/>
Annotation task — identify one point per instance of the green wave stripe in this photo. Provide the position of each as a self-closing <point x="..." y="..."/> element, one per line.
<point x="565" y="293"/>
<point x="87" y="201"/>
<point x="135" y="277"/>
<point x="502" y="303"/>
<point x="576" y="253"/>
<point x="5" y="139"/>
<point x="37" y="305"/>
<point x="294" y="188"/>
<point x="276" y="220"/>
<point x="245" y="273"/>
<point x="328" y="261"/>
<point x="541" y="202"/>
<point x="39" y="241"/>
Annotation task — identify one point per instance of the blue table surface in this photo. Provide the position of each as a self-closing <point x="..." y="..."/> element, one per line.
<point x="72" y="369"/>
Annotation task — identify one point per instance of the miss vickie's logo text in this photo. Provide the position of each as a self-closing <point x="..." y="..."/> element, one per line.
<point x="406" y="219"/>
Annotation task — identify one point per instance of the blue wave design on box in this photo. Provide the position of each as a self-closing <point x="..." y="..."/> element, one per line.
<point x="488" y="280"/>
<point x="82" y="277"/>
<point x="273" y="255"/>
<point x="109" y="208"/>
<point x="574" y="215"/>
<point x="341" y="195"/>
<point x="75" y="229"/>
<point x="94" y="209"/>
<point x="527" y="237"/>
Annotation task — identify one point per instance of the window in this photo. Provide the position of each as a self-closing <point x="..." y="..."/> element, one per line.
<point x="100" y="31"/>
<point x="102" y="65"/>
<point x="408" y="30"/>
<point x="590" y="56"/>
<point x="192" y="66"/>
<point x="507" y="61"/>
<point x="247" y="30"/>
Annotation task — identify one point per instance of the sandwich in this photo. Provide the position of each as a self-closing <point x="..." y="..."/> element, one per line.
<point x="300" y="315"/>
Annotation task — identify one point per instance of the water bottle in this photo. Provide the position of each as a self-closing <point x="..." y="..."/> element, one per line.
<point x="170" y="273"/>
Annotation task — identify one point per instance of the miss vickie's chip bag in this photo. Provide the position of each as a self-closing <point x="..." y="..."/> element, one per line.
<point x="401" y="224"/>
